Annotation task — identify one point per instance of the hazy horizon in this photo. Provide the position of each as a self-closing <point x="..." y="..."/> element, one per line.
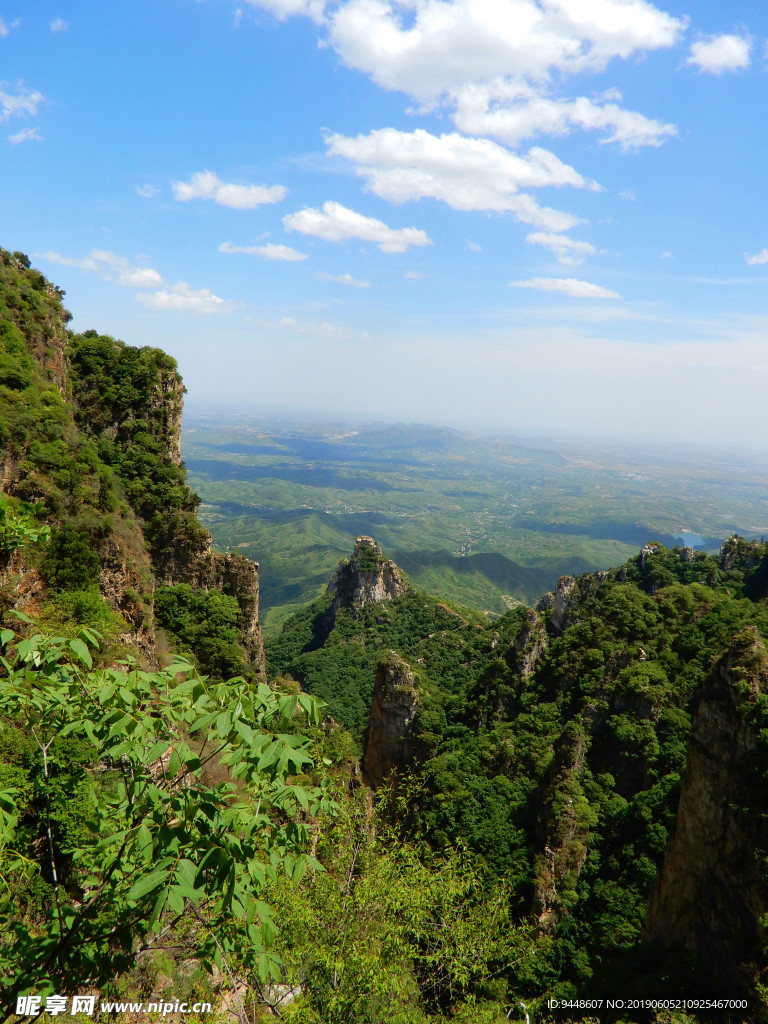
<point x="522" y="216"/>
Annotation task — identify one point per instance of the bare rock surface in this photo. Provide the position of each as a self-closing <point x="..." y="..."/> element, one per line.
<point x="393" y="709"/>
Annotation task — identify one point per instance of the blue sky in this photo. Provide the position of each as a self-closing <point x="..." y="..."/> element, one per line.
<point x="536" y="216"/>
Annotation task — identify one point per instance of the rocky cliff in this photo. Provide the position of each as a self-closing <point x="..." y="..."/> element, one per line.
<point x="99" y="458"/>
<point x="393" y="709"/>
<point x="366" y="578"/>
<point x="711" y="896"/>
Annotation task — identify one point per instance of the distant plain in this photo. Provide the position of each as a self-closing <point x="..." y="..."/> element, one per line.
<point x="485" y="522"/>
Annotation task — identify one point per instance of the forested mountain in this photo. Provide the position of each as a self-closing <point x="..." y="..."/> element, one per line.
<point x="565" y="803"/>
<point x="603" y="755"/>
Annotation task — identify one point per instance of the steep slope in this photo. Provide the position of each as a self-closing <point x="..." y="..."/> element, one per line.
<point x="89" y="447"/>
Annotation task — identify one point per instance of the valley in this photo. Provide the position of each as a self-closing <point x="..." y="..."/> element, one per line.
<point x="487" y="522"/>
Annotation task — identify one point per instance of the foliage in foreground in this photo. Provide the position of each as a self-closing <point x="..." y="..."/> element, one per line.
<point x="186" y="812"/>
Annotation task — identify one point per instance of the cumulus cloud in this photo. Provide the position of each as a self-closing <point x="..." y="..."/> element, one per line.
<point x="207" y="185"/>
<point x="147" y="191"/>
<point x="342" y="279"/>
<point x="181" y="298"/>
<point x="59" y="25"/>
<point x="513" y="111"/>
<point x="758" y="259"/>
<point x="282" y="9"/>
<point x="336" y="223"/>
<point x="428" y="47"/>
<point x="110" y="266"/>
<point x="570" y="285"/>
<point x="270" y="251"/>
<point x="467" y="174"/>
<point x="569" y="251"/>
<point x="22" y="103"/>
<point x="26" y="135"/>
<point x="720" y="53"/>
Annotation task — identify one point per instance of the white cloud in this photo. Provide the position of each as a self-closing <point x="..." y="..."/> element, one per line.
<point x="140" y="277"/>
<point x="282" y="9"/>
<point x="270" y="251"/>
<point x="59" y="25"/>
<point x="26" y="135"/>
<point x="717" y="54"/>
<point x="570" y="285"/>
<point x="336" y="223"/>
<point x="628" y="195"/>
<point x="110" y="266"/>
<point x="24" y="102"/>
<point x="474" y="247"/>
<point x="667" y="255"/>
<point x="320" y="329"/>
<point x="428" y="47"/>
<point x="758" y="259"/>
<point x="413" y="275"/>
<point x="181" y="298"/>
<point x="342" y="279"/>
<point x="6" y="29"/>
<point x="147" y="191"/>
<point x="467" y="174"/>
<point x="207" y="185"/>
<point x="568" y="250"/>
<point x="513" y="111"/>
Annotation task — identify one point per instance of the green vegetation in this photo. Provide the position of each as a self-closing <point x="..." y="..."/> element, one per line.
<point x="130" y="400"/>
<point x="96" y="865"/>
<point x="483" y="522"/>
<point x="205" y="626"/>
<point x="192" y="824"/>
<point x="561" y="784"/>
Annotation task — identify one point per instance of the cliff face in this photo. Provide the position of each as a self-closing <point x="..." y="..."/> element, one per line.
<point x="100" y="457"/>
<point x="530" y="644"/>
<point x="393" y="709"/>
<point x="234" y="575"/>
<point x="368" y="577"/>
<point x="711" y="895"/>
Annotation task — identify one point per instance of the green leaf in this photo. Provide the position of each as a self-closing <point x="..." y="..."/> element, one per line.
<point x="144" y="842"/>
<point x="6" y="636"/>
<point x="146" y="884"/>
<point x="186" y="872"/>
<point x="205" y="722"/>
<point x="175" y="900"/>
<point x="79" y="648"/>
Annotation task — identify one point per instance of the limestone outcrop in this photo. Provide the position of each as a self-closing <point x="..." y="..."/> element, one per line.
<point x="238" y="577"/>
<point x="393" y="709"/>
<point x="530" y="644"/>
<point x="366" y="578"/>
<point x="710" y="897"/>
<point x="561" y="602"/>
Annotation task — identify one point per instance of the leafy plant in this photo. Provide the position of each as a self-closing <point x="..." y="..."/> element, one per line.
<point x="193" y="811"/>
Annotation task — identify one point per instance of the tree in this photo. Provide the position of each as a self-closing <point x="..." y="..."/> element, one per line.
<point x="193" y="811"/>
